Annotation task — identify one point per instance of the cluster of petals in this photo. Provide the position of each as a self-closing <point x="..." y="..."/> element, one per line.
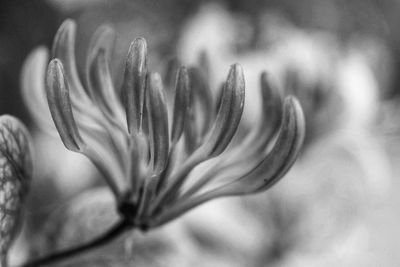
<point x="163" y="149"/>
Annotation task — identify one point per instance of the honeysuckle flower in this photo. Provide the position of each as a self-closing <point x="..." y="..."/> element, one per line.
<point x="163" y="151"/>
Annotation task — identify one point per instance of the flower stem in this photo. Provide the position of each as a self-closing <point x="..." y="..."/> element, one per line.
<point x="114" y="232"/>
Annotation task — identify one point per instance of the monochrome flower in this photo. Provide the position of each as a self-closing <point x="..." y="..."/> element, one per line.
<point x="164" y="150"/>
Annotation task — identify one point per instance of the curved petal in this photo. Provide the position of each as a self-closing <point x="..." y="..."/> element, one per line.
<point x="202" y="101"/>
<point x="272" y="112"/>
<point x="133" y="88"/>
<point x="64" y="49"/>
<point x="220" y="135"/>
<point x="170" y="73"/>
<point x="241" y="157"/>
<point x="229" y="114"/>
<point x="277" y="162"/>
<point x="96" y="147"/>
<point x="102" y="39"/>
<point x="181" y="104"/>
<point x="33" y="88"/>
<point x="192" y="139"/>
<point x="60" y="106"/>
<point x="263" y="176"/>
<point x="105" y="95"/>
<point x="158" y="123"/>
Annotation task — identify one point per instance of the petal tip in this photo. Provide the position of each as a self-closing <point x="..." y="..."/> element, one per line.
<point x="139" y="45"/>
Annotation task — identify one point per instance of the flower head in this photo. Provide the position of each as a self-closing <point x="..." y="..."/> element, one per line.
<point x="166" y="149"/>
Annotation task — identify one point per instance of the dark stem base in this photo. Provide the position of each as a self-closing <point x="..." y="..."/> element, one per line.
<point x="115" y="231"/>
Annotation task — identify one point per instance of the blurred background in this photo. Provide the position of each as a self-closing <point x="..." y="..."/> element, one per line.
<point x="339" y="205"/>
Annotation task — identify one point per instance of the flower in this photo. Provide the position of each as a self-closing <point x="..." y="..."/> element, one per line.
<point x="161" y="150"/>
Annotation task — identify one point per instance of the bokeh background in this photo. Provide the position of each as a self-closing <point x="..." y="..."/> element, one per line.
<point x="338" y="206"/>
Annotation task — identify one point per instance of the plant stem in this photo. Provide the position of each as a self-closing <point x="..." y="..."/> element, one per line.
<point x="114" y="232"/>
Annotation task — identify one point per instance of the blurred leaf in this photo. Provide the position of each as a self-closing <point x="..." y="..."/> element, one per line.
<point x="15" y="176"/>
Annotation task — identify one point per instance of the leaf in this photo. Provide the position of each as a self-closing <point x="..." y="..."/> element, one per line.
<point x="15" y="176"/>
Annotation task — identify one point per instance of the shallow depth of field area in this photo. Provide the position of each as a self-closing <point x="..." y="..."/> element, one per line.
<point x="207" y="133"/>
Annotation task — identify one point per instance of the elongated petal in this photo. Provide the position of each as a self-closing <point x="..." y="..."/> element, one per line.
<point x="200" y="110"/>
<point x="138" y="169"/>
<point x="134" y="84"/>
<point x="159" y="140"/>
<point x="267" y="173"/>
<point x="219" y="94"/>
<point x="243" y="157"/>
<point x="229" y="114"/>
<point x="64" y="49"/>
<point x="281" y="157"/>
<point x="111" y="117"/>
<point x="102" y="39"/>
<point x="60" y="105"/>
<point x="33" y="79"/>
<point x="202" y="100"/>
<point x="101" y="81"/>
<point x="182" y="120"/>
<point x="236" y="82"/>
<point x="259" y="139"/>
<point x="190" y="130"/>
<point x="181" y="104"/>
<point x="248" y="176"/>
<point x="171" y="70"/>
<point x="287" y="146"/>
<point x="271" y="108"/>
<point x="158" y="123"/>
<point x="221" y="134"/>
